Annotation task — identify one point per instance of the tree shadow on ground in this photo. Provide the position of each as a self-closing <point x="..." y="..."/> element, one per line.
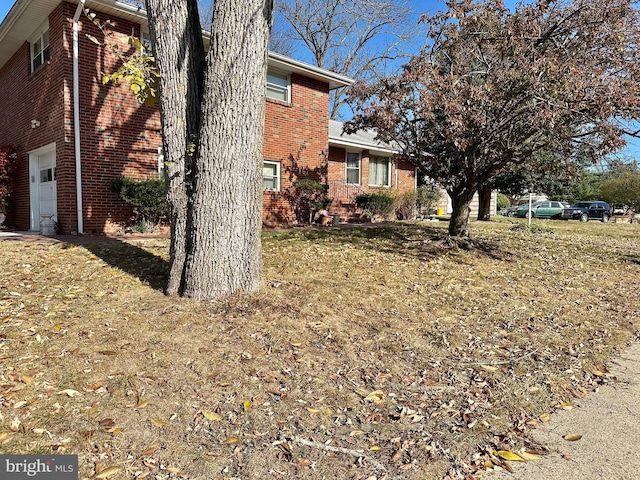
<point x="134" y="260"/>
<point x="416" y="241"/>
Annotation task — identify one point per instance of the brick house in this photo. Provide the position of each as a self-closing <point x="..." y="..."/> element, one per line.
<point x="74" y="134"/>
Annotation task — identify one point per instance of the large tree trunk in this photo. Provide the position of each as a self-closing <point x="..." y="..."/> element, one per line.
<point x="461" y="203"/>
<point x="180" y="55"/>
<point x="225" y="208"/>
<point x="484" y="204"/>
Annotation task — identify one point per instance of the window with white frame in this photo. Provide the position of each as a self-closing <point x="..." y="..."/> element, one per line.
<point x="379" y="172"/>
<point x="145" y="40"/>
<point x="40" y="48"/>
<point x="271" y="176"/>
<point x="160" y="162"/>
<point x="278" y="86"/>
<point x="353" y="168"/>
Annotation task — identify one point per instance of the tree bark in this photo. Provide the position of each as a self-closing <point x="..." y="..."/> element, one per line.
<point x="224" y="220"/>
<point x="179" y="51"/>
<point x="461" y="203"/>
<point x="484" y="204"/>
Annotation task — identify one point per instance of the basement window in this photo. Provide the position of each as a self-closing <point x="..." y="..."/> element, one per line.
<point x="271" y="176"/>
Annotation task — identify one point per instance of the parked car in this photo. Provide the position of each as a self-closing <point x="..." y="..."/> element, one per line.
<point x="511" y="211"/>
<point x="544" y="209"/>
<point x="585" y="211"/>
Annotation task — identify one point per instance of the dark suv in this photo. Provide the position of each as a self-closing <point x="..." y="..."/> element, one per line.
<point x="585" y="211"/>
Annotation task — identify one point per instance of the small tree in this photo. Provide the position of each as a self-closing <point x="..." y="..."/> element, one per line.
<point x="8" y="160"/>
<point x="428" y="198"/>
<point x="503" y="201"/>
<point x="623" y="190"/>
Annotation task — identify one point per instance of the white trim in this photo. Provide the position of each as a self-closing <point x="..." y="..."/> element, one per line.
<point x="161" y="166"/>
<point x="286" y="90"/>
<point x="277" y="177"/>
<point x="346" y="168"/>
<point x="39" y="36"/>
<point x="76" y="118"/>
<point x="366" y="146"/>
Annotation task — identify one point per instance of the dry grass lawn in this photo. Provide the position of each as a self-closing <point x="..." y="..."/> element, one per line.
<point x="370" y="353"/>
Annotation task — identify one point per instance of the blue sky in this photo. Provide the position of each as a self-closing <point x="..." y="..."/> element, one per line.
<point x="5" y="5"/>
<point x="429" y="6"/>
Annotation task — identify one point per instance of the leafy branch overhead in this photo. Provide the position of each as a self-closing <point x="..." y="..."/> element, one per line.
<point x="138" y="69"/>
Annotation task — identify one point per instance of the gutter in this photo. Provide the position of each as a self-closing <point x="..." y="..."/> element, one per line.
<point x="76" y="118"/>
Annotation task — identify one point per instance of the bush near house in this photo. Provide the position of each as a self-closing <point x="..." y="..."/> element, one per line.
<point x="405" y="205"/>
<point x="307" y="196"/>
<point x="148" y="198"/>
<point x="8" y="160"/>
<point x="374" y="204"/>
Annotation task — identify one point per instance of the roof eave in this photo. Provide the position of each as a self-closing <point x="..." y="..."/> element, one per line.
<point x="341" y="142"/>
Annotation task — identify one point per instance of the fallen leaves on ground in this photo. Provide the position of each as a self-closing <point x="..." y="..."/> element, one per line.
<point x="390" y="350"/>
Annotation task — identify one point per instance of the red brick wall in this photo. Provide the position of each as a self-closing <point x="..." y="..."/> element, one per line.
<point x="296" y="135"/>
<point x="26" y="96"/>
<point x="118" y="136"/>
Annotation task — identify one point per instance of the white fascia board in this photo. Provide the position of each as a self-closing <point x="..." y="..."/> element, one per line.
<point x="340" y="142"/>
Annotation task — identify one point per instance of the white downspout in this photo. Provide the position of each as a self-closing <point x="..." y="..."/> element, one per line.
<point x="76" y="118"/>
<point x="397" y="163"/>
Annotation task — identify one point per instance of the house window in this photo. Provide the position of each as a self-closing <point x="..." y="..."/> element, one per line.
<point x="40" y="50"/>
<point x="47" y="175"/>
<point x="379" y="172"/>
<point x="353" y="168"/>
<point x="145" y="40"/>
<point x="271" y="176"/>
<point x="160" y="162"/>
<point x="278" y="86"/>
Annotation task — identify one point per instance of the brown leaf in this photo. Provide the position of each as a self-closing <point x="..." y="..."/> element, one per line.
<point x="107" y="472"/>
<point x="231" y="441"/>
<point x="150" y="451"/>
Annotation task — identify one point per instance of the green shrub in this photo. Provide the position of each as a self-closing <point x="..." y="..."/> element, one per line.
<point x="148" y="198"/>
<point x="428" y="197"/>
<point x="373" y="204"/>
<point x="503" y="201"/>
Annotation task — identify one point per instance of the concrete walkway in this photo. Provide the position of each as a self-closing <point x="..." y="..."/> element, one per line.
<point x="609" y="422"/>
